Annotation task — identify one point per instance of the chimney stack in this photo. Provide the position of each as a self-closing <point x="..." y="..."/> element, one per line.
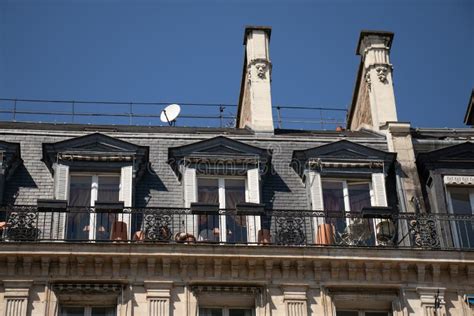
<point x="255" y="101"/>
<point x="373" y="103"/>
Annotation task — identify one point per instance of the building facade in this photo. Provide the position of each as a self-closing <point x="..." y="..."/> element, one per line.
<point x="376" y="219"/>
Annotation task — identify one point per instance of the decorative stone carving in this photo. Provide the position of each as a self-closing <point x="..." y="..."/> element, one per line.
<point x="368" y="81"/>
<point x="317" y="270"/>
<point x="166" y="267"/>
<point x="98" y="263"/>
<point x="285" y="269"/>
<point x="45" y="265"/>
<point x="453" y="271"/>
<point x="133" y="266"/>
<point x="150" y="264"/>
<point x="251" y="266"/>
<point x="63" y="263"/>
<point x="268" y="269"/>
<point x="382" y="73"/>
<point x="217" y="268"/>
<point x="201" y="265"/>
<point x="27" y="265"/>
<point x="115" y="267"/>
<point x="436" y="272"/>
<point x="300" y="269"/>
<point x="262" y="66"/>
<point x="421" y="270"/>
<point x="81" y="265"/>
<point x="234" y="268"/>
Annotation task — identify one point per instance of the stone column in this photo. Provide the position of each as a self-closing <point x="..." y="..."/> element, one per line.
<point x="16" y="297"/>
<point x="158" y="297"/>
<point x="295" y="300"/>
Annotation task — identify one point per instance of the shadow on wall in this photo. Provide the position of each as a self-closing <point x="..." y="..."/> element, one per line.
<point x="20" y="179"/>
<point x="150" y="181"/>
<point x="270" y="191"/>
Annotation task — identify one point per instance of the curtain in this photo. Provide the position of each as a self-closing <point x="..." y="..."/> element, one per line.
<point x="108" y="191"/>
<point x="208" y="192"/>
<point x="79" y="198"/>
<point x="236" y="224"/>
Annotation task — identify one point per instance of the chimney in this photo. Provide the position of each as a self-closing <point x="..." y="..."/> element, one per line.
<point x="373" y="102"/>
<point x="255" y="101"/>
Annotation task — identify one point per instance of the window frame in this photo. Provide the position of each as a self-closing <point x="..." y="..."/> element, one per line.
<point x="94" y="196"/>
<point x="454" y="228"/>
<point x="221" y="179"/>
<point x="226" y="309"/>
<point x="362" y="312"/>
<point x="87" y="308"/>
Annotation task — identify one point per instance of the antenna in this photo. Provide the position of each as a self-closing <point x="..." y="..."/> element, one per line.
<point x="170" y="114"/>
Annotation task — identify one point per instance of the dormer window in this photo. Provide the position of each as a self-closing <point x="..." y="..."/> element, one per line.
<point x="94" y="174"/>
<point x="340" y="178"/>
<point x="222" y="172"/>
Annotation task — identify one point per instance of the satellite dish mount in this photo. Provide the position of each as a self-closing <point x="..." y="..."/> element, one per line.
<point x="170" y="114"/>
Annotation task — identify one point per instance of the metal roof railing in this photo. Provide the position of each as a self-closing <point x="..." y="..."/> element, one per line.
<point x="148" y="113"/>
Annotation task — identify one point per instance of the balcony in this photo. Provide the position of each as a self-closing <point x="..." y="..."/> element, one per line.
<point x="114" y="224"/>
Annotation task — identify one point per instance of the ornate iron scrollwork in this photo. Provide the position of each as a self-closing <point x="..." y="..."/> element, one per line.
<point x="290" y="230"/>
<point x="157" y="226"/>
<point x="424" y="232"/>
<point x="22" y="226"/>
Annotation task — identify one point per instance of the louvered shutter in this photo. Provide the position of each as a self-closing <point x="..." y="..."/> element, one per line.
<point x="190" y="196"/>
<point x="253" y="196"/>
<point x="61" y="192"/>
<point x="378" y="186"/>
<point x="315" y="188"/>
<point x="61" y="181"/>
<point x="126" y="186"/>
<point x="126" y="196"/>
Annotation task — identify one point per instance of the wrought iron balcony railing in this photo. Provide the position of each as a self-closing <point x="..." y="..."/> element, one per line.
<point x="269" y="227"/>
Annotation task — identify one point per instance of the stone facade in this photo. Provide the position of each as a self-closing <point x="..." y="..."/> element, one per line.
<point x="422" y="265"/>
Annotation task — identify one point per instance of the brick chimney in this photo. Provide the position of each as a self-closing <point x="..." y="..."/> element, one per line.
<point x="255" y="101"/>
<point x="373" y="102"/>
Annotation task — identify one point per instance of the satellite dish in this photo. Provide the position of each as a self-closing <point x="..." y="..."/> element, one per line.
<point x="170" y="113"/>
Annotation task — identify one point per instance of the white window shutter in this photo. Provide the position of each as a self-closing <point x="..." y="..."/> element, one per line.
<point x="61" y="181"/>
<point x="315" y="188"/>
<point x="313" y="182"/>
<point x="190" y="196"/>
<point x="126" y="186"/>
<point x="61" y="192"/>
<point x="253" y="196"/>
<point x="378" y="186"/>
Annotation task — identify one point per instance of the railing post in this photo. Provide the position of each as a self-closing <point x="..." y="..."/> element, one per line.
<point x="14" y="111"/>
<point x="130" y="113"/>
<point x="221" y="111"/>
<point x="279" y="116"/>
<point x="73" y="110"/>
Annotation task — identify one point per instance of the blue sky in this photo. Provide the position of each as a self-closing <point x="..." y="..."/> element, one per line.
<point x="191" y="51"/>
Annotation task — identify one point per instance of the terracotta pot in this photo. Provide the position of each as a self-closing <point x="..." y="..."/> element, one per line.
<point x="119" y="231"/>
<point x="264" y="237"/>
<point x="325" y="235"/>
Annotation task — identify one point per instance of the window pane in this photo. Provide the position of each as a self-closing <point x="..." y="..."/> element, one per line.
<point x="460" y="200"/>
<point x="462" y="206"/>
<point x="71" y="311"/>
<point x="240" y="312"/>
<point x="210" y="312"/>
<point x="80" y="191"/>
<point x="79" y="195"/>
<point x="208" y="192"/>
<point x="359" y="196"/>
<point x="333" y="197"/>
<point x="103" y="311"/>
<point x="236" y="225"/>
<point x="347" y="313"/>
<point x="109" y="188"/>
<point x="108" y="191"/>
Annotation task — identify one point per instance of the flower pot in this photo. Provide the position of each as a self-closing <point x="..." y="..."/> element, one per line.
<point x="264" y="237"/>
<point x="325" y="235"/>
